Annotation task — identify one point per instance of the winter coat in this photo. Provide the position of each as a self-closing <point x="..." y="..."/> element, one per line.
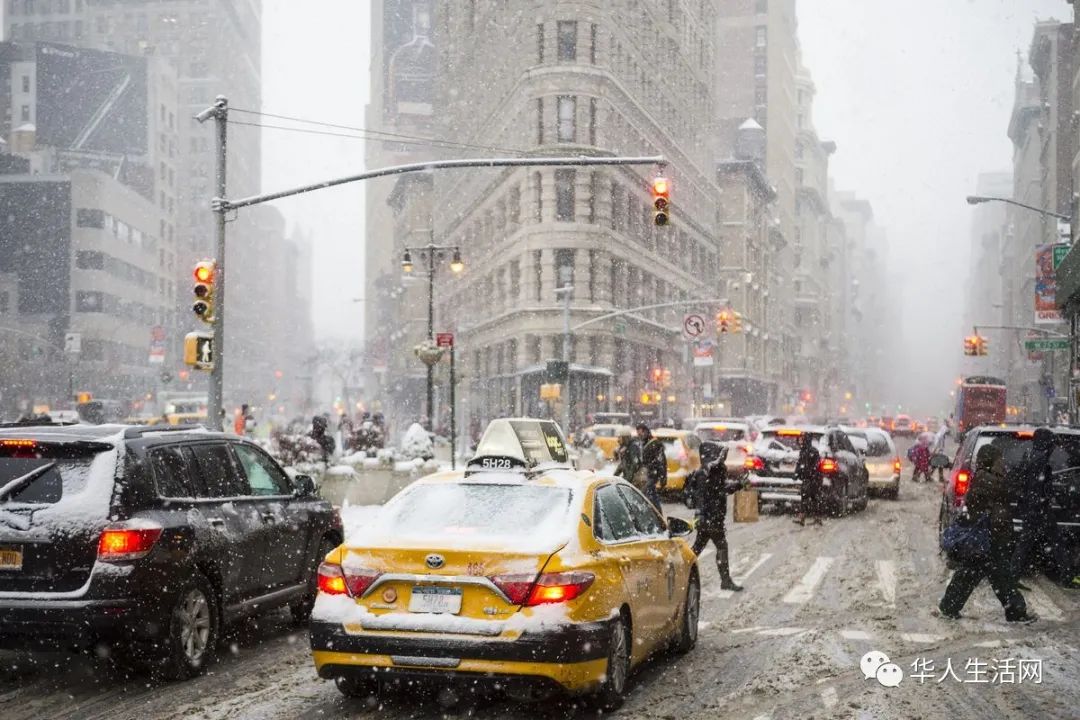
<point x="628" y="455"/>
<point x="989" y="496"/>
<point x="1031" y="479"/>
<point x="919" y="455"/>
<point x="655" y="461"/>
<point x="808" y="471"/>
<point x="711" y="490"/>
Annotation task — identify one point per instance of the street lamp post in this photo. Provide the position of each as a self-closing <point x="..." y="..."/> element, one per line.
<point x="979" y="199"/>
<point x="566" y="290"/>
<point x="432" y="252"/>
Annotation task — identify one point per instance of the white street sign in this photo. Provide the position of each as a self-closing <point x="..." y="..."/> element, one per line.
<point x="73" y="343"/>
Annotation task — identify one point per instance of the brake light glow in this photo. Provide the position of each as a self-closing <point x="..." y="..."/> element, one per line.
<point x="121" y="542"/>
<point x="1025" y="433"/>
<point x="331" y="579"/>
<point x="789" y="433"/>
<point x="754" y="463"/>
<point x="896" y="465"/>
<point x="828" y="466"/>
<point x="961" y="483"/>
<point x="359" y="579"/>
<point x="560" y="587"/>
<point x="13" y="443"/>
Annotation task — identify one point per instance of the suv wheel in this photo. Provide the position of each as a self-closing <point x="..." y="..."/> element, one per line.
<point x="301" y="609"/>
<point x="194" y="624"/>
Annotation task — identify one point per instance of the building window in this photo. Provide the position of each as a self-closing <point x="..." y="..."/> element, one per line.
<point x="540" y="121"/>
<point x="594" y="192"/>
<point x="616" y="207"/>
<point x="799" y="150"/>
<point x="760" y="64"/>
<point x="567" y="105"/>
<point x="90" y="260"/>
<point x="564" y="194"/>
<point x="515" y="280"/>
<point x="592" y="277"/>
<point x="515" y="205"/>
<point x="592" y="121"/>
<point x="26" y="83"/>
<point x="90" y="218"/>
<point x="567" y="40"/>
<point x="540" y="43"/>
<point x="24" y="113"/>
<point x="761" y="37"/>
<point x="538" y="272"/>
<point x="592" y="42"/>
<point x="538" y="191"/>
<point x="761" y="7"/>
<point x="89" y="302"/>
<point x="798" y="176"/>
<point x="564" y="267"/>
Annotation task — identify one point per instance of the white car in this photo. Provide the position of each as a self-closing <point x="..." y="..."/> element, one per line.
<point x="881" y="458"/>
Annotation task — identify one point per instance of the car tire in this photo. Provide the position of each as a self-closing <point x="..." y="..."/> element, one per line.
<point x="194" y="626"/>
<point x="301" y="609"/>
<point x="609" y="697"/>
<point x="354" y="687"/>
<point x="686" y="638"/>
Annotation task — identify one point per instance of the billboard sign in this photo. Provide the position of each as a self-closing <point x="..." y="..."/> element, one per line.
<point x="1046" y="310"/>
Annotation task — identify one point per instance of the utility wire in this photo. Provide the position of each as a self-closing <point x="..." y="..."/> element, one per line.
<point x="415" y="139"/>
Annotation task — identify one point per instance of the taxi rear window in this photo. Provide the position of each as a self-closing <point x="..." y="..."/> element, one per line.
<point x="721" y="434"/>
<point x="477" y="510"/>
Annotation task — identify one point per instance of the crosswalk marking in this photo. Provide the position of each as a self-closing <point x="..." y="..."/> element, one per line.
<point x="886" y="573"/>
<point x="921" y="638"/>
<point x="783" y="631"/>
<point x="854" y="634"/>
<point x="1042" y="605"/>
<point x="741" y="579"/>
<point x="804" y="589"/>
<point x="749" y="629"/>
<point x="829" y="697"/>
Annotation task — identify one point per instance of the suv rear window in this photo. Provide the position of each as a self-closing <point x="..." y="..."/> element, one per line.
<point x="1016" y="449"/>
<point x="721" y="434"/>
<point x="791" y="440"/>
<point x="41" y="473"/>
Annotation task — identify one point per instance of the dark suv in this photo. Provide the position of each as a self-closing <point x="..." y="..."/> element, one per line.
<point x="149" y="539"/>
<point x="1015" y="443"/>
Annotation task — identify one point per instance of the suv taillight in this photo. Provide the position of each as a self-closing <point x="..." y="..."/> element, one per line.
<point x="127" y="541"/>
<point x="896" y="466"/>
<point x="961" y="482"/>
<point x="828" y="466"/>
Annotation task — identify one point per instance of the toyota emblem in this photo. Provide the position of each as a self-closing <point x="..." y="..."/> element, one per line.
<point x="435" y="561"/>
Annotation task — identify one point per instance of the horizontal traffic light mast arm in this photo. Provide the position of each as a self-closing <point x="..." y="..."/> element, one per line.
<point x="1054" y="333"/>
<point x="677" y="303"/>
<point x="221" y="204"/>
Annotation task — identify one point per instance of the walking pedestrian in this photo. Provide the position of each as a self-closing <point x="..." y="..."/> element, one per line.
<point x="319" y="434"/>
<point x="808" y="472"/>
<point x="938" y="448"/>
<point x="711" y="491"/>
<point x="244" y="420"/>
<point x="919" y="455"/>
<point x="988" y="500"/>
<point x="1032" y="478"/>
<point x="627" y="456"/>
<point x="654" y="461"/>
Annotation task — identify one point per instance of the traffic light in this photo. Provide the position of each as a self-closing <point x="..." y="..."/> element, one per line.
<point x="971" y="345"/>
<point x="981" y="344"/>
<point x="203" y="307"/>
<point x="657" y="376"/>
<point x="661" y="195"/>
<point x="736" y="322"/>
<point x="723" y="321"/>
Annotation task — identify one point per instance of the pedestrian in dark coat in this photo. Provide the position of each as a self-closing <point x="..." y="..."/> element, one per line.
<point x="711" y="490"/>
<point x="988" y="499"/>
<point x="808" y="471"/>
<point x="627" y="456"/>
<point x="1031" y="479"/>
<point x="654" y="460"/>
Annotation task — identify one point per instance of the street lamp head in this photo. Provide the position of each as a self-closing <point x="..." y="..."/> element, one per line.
<point x="406" y="261"/>
<point x="456" y="263"/>
<point x="975" y="199"/>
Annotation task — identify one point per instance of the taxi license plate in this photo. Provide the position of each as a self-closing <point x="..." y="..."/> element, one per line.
<point x="435" y="600"/>
<point x="10" y="559"/>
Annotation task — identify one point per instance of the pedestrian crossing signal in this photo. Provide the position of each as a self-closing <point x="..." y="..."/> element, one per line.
<point x="199" y="350"/>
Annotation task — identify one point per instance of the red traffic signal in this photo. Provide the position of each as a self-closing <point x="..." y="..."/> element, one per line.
<point x="203" y="307"/>
<point x="661" y="195"/>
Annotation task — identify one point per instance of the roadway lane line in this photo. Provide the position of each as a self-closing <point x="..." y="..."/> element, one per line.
<point x="829" y="697"/>
<point x="804" y="590"/>
<point x="921" y="638"/>
<point x="855" y="635"/>
<point x="886" y="574"/>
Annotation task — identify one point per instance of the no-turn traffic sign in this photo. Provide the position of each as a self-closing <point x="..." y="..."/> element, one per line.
<point x="693" y="326"/>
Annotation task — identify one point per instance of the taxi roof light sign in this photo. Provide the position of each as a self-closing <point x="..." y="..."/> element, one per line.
<point x="523" y="443"/>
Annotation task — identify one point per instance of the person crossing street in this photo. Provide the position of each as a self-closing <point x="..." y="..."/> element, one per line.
<point x="711" y="489"/>
<point x="654" y="462"/>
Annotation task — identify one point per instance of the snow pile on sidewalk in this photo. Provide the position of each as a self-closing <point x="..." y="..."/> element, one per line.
<point x="417" y="443"/>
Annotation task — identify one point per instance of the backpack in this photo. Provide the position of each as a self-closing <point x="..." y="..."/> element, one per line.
<point x="967" y="542"/>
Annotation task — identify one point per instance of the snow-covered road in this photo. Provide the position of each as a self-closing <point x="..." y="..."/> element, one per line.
<point x="816" y="600"/>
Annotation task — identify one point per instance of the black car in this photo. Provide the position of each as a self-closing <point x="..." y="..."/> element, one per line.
<point x="149" y="539"/>
<point x="1015" y="443"/>
<point x="771" y="469"/>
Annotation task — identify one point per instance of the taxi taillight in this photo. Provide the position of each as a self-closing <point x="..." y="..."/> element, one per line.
<point x="359" y="579"/>
<point x="529" y="590"/>
<point x="331" y="579"/>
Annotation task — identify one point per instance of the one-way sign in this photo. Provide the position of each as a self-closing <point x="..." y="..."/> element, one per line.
<point x="199" y="350"/>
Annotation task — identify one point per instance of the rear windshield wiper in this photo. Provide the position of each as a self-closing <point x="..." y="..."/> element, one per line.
<point x="20" y="482"/>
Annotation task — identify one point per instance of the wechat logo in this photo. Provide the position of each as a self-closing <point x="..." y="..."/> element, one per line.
<point x="876" y="664"/>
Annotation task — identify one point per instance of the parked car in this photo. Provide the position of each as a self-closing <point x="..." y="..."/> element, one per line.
<point x="881" y="459"/>
<point x="149" y="540"/>
<point x="772" y="468"/>
<point x="1015" y="443"/>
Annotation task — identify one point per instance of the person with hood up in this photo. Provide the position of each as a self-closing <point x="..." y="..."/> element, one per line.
<point x="711" y="490"/>
<point x="1032" y="480"/>
<point x="627" y="456"/>
<point x="318" y="433"/>
<point x="808" y="471"/>
<point x="654" y="460"/>
<point x="919" y="455"/>
<point x="989" y="498"/>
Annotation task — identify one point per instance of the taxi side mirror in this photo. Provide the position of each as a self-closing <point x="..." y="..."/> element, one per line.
<point x="677" y="527"/>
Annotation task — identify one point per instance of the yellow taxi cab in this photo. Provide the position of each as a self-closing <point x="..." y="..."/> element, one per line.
<point x="519" y="573"/>
<point x="683" y="458"/>
<point x="606" y="437"/>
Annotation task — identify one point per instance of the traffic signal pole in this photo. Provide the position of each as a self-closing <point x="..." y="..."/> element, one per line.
<point x="221" y="205"/>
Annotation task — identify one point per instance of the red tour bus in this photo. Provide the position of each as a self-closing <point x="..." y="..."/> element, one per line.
<point x="980" y="400"/>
